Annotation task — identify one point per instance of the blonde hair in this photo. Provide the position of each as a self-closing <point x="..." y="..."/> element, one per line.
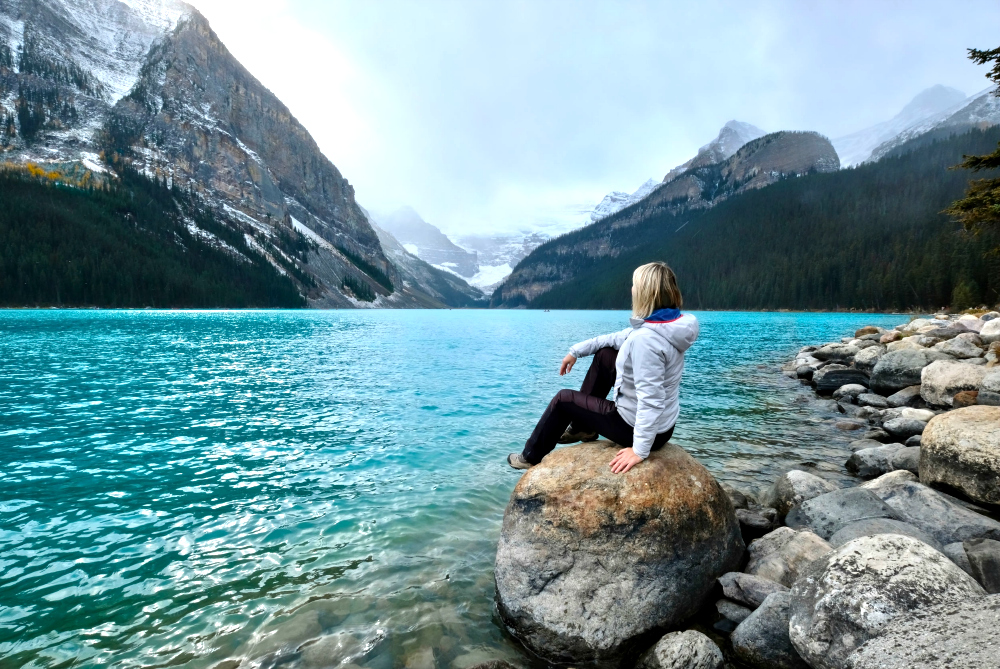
<point x="655" y="288"/>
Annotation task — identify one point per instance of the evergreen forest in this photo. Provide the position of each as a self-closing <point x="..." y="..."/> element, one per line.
<point x="124" y="243"/>
<point x="871" y="237"/>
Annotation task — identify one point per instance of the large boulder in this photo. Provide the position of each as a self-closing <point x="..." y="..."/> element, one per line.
<point x="748" y="589"/>
<point x="967" y="345"/>
<point x="867" y="358"/>
<point x="794" y="487"/>
<point x="682" y="650"/>
<point x="961" y="449"/>
<point x="827" y="514"/>
<point x="761" y="641"/>
<point x="952" y="635"/>
<point x="590" y="562"/>
<point x="900" y="369"/>
<point x="939" y="515"/>
<point x="848" y="596"/>
<point x="832" y="377"/>
<point x="784" y="554"/>
<point x="941" y="380"/>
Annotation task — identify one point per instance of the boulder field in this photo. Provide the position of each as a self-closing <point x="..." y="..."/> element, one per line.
<point x="900" y="569"/>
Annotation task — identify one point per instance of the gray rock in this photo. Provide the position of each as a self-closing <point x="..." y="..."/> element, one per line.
<point x="832" y="377"/>
<point x="871" y="527"/>
<point x="963" y="346"/>
<point x="867" y="358"/>
<point x="946" y="333"/>
<point x="907" y="458"/>
<point x="733" y="611"/>
<point x="682" y="650"/>
<point x="907" y="397"/>
<point x="739" y="498"/>
<point x="851" y="594"/>
<point x="877" y="434"/>
<point x="956" y="553"/>
<point x="904" y="428"/>
<point x="756" y="522"/>
<point x="961" y="449"/>
<point x="936" y="513"/>
<point x="836" y="352"/>
<point x="872" y="400"/>
<point x="989" y="388"/>
<point x="850" y="391"/>
<point x="913" y="441"/>
<point x="748" y="589"/>
<point x="844" y="406"/>
<point x="804" y="372"/>
<point x="860" y="444"/>
<point x="901" y="369"/>
<point x="782" y="555"/>
<point x="989" y="316"/>
<point x="794" y="487"/>
<point x="828" y="513"/>
<point x="984" y="558"/>
<point x="953" y="635"/>
<point x="761" y="641"/>
<point x="493" y="664"/>
<point x="573" y="528"/>
<point x="871" y="462"/>
<point x="943" y="379"/>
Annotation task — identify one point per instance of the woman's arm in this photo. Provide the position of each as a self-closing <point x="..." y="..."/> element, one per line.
<point x="591" y="346"/>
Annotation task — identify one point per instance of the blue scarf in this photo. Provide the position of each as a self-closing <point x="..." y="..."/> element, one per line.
<point x="664" y="315"/>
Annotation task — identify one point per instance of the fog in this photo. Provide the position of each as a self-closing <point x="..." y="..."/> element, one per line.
<point x="490" y="117"/>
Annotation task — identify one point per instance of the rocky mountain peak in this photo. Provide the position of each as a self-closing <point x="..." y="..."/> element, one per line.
<point x="731" y="137"/>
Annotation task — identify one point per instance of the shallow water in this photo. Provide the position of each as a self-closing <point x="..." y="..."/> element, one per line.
<point x="315" y="489"/>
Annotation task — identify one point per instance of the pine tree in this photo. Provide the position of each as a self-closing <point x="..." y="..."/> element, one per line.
<point x="979" y="210"/>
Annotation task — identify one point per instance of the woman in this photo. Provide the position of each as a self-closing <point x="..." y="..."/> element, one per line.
<point x="643" y="363"/>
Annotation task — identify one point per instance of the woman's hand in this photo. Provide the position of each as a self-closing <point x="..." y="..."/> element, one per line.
<point x="624" y="461"/>
<point x="567" y="365"/>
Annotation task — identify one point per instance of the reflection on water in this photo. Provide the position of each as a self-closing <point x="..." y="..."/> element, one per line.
<point x="315" y="489"/>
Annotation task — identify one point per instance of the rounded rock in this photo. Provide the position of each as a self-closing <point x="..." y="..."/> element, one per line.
<point x="941" y="380"/>
<point x="687" y="650"/>
<point x="589" y="562"/>
<point x="851" y="594"/>
<point x="961" y="449"/>
<point x="794" y="487"/>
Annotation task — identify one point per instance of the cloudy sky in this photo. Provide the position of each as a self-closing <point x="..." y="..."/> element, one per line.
<point x="492" y="116"/>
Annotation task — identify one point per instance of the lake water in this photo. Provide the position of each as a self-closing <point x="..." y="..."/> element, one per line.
<point x="316" y="489"/>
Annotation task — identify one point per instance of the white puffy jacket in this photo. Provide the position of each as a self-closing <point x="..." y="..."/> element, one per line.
<point x="648" y="371"/>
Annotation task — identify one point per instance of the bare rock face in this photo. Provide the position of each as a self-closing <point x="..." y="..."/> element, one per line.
<point x="961" y="449"/>
<point x="850" y="595"/>
<point x="589" y="561"/>
<point x="955" y="634"/>
<point x="682" y="650"/>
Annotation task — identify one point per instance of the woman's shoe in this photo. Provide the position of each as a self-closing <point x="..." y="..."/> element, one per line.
<point x="517" y="461"/>
<point x="570" y="436"/>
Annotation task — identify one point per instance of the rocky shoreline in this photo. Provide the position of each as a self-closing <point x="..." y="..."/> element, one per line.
<point x="902" y="569"/>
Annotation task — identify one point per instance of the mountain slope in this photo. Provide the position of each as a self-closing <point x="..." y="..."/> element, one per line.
<point x="870" y="238"/>
<point x="760" y="162"/>
<point x="730" y="139"/>
<point x="148" y="85"/>
<point x="430" y="244"/>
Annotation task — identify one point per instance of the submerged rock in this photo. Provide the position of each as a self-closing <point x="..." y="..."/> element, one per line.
<point x="851" y="594"/>
<point x="952" y="635"/>
<point x="761" y="641"/>
<point x="682" y="650"/>
<point x="589" y="562"/>
<point x="784" y="554"/>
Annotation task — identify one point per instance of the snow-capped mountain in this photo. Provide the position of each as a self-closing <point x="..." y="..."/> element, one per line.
<point x="977" y="111"/>
<point x="936" y="102"/>
<point x="149" y="86"/>
<point x="427" y="242"/>
<point x="730" y="139"/>
<point x="498" y="255"/>
<point x="617" y="200"/>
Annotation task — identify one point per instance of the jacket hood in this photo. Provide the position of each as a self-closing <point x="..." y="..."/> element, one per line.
<point x="681" y="330"/>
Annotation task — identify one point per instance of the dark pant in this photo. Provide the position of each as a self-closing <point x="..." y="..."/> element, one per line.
<point x="588" y="410"/>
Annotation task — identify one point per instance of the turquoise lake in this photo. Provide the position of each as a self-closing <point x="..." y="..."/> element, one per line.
<point x="318" y="489"/>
